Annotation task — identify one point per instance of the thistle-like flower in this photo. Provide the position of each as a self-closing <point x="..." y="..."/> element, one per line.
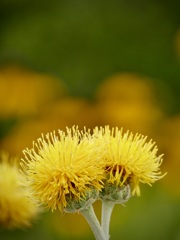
<point x="71" y="170"/>
<point x="128" y="159"/>
<point x="64" y="170"/>
<point x="16" y="209"/>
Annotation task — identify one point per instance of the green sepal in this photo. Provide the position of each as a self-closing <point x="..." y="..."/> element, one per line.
<point x="84" y="202"/>
<point x="116" y="194"/>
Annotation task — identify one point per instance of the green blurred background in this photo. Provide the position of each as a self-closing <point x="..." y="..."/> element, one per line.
<point x="95" y="63"/>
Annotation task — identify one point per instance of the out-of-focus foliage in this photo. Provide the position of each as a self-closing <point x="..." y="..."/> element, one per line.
<point x="83" y="42"/>
<point x="89" y="63"/>
<point x="177" y="43"/>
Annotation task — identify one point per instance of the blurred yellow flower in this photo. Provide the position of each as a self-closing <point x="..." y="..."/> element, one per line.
<point x="74" y="111"/>
<point x="66" y="111"/>
<point x="128" y="100"/>
<point x="16" y="209"/>
<point x="169" y="142"/>
<point x="126" y="87"/>
<point x="63" y="168"/>
<point x="23" y="92"/>
<point x="22" y="134"/>
<point x="128" y="158"/>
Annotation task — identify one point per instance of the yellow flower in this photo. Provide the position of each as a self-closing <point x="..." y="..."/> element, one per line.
<point x="63" y="168"/>
<point x="135" y="108"/>
<point x="64" y="112"/>
<point x="128" y="158"/>
<point x="169" y="142"/>
<point x="16" y="209"/>
<point x="24" y="92"/>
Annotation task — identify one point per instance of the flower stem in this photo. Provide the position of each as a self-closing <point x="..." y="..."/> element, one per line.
<point x="107" y="207"/>
<point x="91" y="218"/>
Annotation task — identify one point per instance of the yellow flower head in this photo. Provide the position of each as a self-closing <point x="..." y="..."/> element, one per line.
<point x="14" y="100"/>
<point x="16" y="209"/>
<point x="63" y="168"/>
<point x="128" y="158"/>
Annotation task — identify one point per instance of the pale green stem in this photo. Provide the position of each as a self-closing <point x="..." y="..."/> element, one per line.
<point x="91" y="218"/>
<point x="107" y="207"/>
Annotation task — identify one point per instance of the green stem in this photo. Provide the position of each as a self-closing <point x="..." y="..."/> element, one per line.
<point x="107" y="207"/>
<point x="91" y="218"/>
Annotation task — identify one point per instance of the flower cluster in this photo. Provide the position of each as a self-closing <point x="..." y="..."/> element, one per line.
<point x="69" y="170"/>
